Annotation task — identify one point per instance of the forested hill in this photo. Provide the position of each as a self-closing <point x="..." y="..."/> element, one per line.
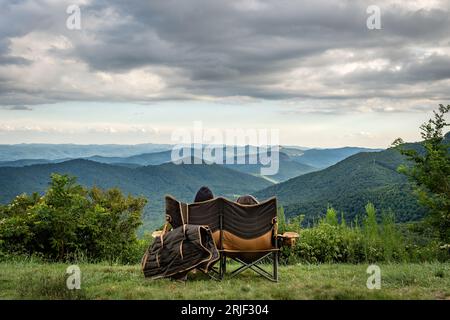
<point x="348" y="186"/>
<point x="153" y="182"/>
<point x="322" y="158"/>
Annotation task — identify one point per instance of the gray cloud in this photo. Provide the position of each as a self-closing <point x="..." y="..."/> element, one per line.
<point x="276" y="50"/>
<point x="19" y="108"/>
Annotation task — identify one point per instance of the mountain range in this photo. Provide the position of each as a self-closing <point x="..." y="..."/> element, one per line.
<point x="72" y="151"/>
<point x="347" y="185"/>
<point x="293" y="161"/>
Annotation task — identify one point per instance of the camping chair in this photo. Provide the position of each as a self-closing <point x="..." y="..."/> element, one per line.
<point x="246" y="234"/>
<point x="249" y="236"/>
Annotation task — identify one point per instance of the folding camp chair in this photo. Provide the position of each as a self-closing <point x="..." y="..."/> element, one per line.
<point x="246" y="234"/>
<point x="249" y="237"/>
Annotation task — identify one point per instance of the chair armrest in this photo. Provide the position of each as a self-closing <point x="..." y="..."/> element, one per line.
<point x="156" y="234"/>
<point x="288" y="239"/>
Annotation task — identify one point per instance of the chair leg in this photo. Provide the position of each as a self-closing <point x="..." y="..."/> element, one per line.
<point x="217" y="278"/>
<point x="275" y="265"/>
<point x="222" y="265"/>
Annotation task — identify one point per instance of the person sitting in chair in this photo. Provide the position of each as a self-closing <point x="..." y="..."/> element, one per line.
<point x="203" y="194"/>
<point x="247" y="200"/>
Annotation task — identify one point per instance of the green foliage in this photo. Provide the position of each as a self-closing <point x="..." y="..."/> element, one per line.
<point x="326" y="243"/>
<point x="430" y="171"/>
<point x="281" y="219"/>
<point x="295" y="223"/>
<point x="331" y="217"/>
<point x="369" y="241"/>
<point x="371" y="234"/>
<point x="71" y="222"/>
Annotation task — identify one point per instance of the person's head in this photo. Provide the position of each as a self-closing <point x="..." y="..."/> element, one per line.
<point x="203" y="194"/>
<point x="247" y="200"/>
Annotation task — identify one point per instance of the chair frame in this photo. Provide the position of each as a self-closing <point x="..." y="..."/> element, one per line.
<point x="254" y="265"/>
<point x="272" y="254"/>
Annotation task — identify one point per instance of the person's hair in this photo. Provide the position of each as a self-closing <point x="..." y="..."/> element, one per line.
<point x="247" y="200"/>
<point x="203" y="194"/>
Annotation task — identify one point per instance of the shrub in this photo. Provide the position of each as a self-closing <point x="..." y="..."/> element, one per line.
<point x="328" y="241"/>
<point x="71" y="222"/>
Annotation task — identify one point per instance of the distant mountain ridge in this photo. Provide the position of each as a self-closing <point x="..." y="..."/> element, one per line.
<point x="348" y="186"/>
<point x="292" y="161"/>
<point x="72" y="151"/>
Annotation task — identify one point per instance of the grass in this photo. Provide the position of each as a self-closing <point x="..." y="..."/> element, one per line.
<point x="36" y="280"/>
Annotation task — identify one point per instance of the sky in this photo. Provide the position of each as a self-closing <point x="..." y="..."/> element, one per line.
<point x="136" y="71"/>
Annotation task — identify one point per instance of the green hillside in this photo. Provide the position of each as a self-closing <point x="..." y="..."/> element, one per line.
<point x="288" y="168"/>
<point x="293" y="161"/>
<point x="24" y="162"/>
<point x="348" y="186"/>
<point x="323" y="158"/>
<point x="144" y="159"/>
<point x="153" y="182"/>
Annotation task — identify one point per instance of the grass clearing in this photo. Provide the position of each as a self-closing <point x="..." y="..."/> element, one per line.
<point x="36" y="280"/>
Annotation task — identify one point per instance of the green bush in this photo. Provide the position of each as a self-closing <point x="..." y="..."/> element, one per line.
<point x="71" y="222"/>
<point x="329" y="241"/>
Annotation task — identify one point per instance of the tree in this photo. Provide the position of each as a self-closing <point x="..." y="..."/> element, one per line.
<point x="331" y="217"/>
<point x="429" y="170"/>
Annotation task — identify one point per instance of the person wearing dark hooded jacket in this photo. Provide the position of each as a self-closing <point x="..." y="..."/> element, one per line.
<point x="203" y="194"/>
<point x="247" y="200"/>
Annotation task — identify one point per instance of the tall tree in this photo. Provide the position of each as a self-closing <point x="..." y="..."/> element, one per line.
<point x="429" y="170"/>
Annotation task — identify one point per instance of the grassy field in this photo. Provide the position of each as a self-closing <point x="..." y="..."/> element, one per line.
<point x="33" y="280"/>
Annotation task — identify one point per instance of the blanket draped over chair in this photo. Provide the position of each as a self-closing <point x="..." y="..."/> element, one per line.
<point x="175" y="253"/>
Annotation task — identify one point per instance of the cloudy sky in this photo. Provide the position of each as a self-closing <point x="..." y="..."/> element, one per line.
<point x="137" y="70"/>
